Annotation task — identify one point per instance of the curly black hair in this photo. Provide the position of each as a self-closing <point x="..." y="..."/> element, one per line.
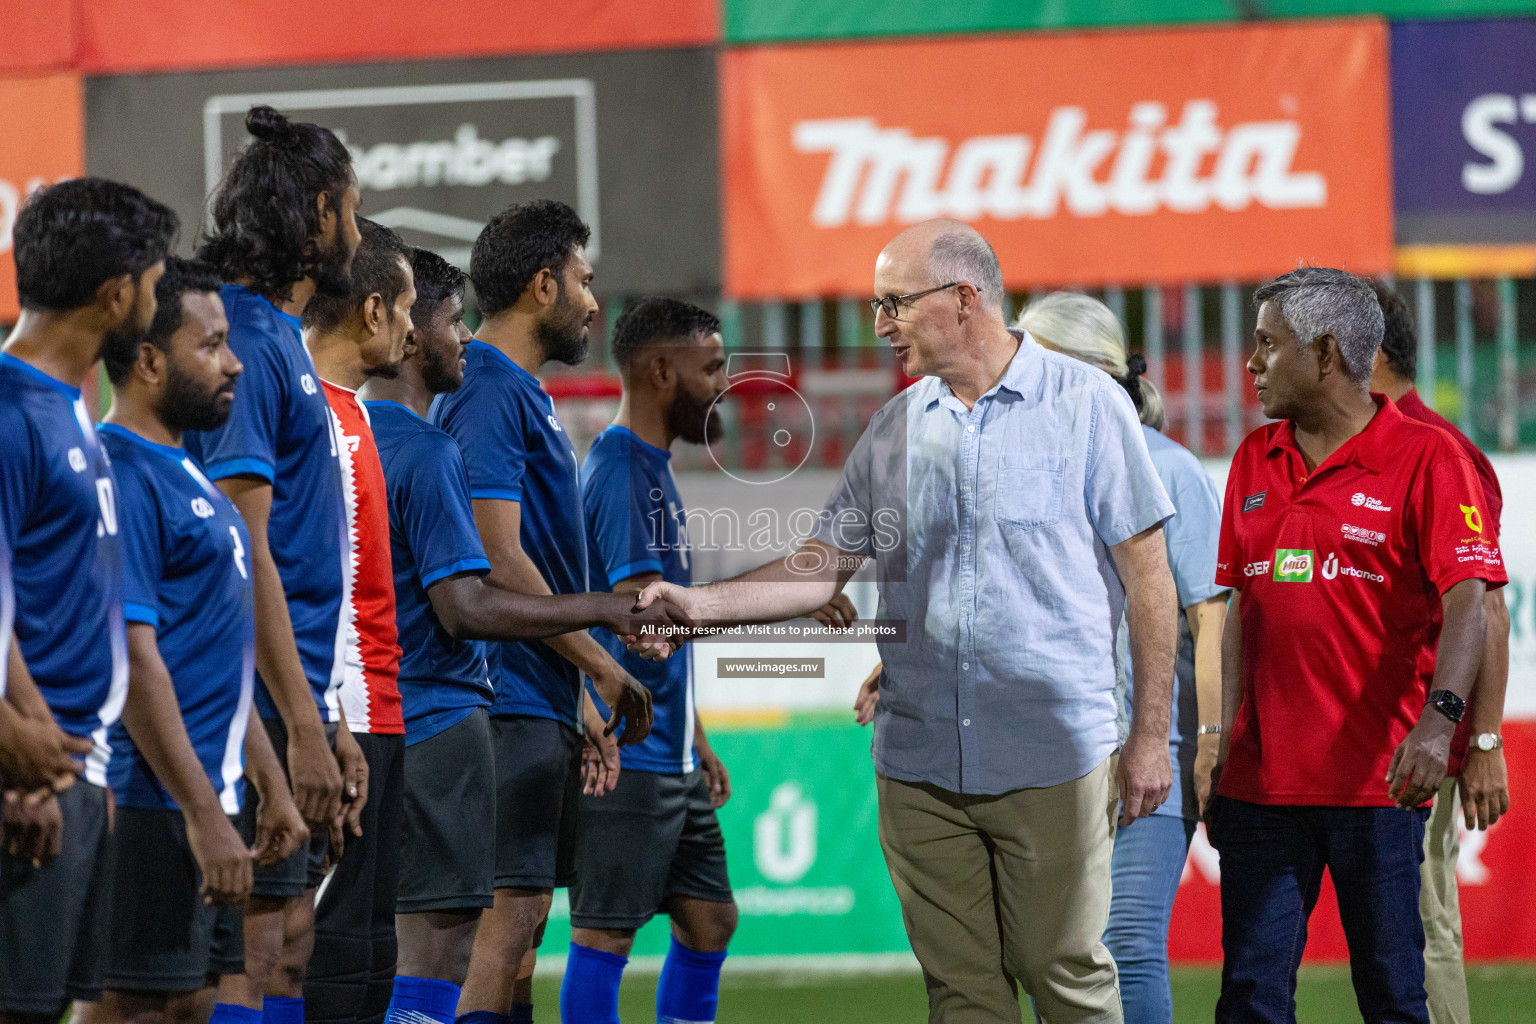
<point x="658" y="320"/>
<point x="518" y="243"/>
<point x="264" y="214"/>
<point x="72" y="237"/>
<point x="437" y="281"/>
<point x="180" y="277"/>
<point x="375" y="269"/>
<point x="1400" y="341"/>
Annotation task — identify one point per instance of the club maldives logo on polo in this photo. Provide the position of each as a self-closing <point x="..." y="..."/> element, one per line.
<point x="1097" y="157"/>
<point x="1293" y="566"/>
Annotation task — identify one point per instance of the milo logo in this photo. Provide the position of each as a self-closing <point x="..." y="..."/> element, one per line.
<point x="1293" y="566"/>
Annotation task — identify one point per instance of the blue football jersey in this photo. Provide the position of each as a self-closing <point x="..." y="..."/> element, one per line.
<point x="281" y="430"/>
<point x="58" y="501"/>
<point x="7" y="605"/>
<point x="515" y="450"/>
<point x="186" y="573"/>
<point x="432" y="536"/>
<point x="636" y="523"/>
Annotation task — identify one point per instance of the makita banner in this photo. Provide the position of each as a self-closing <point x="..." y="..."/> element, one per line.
<point x="1463" y="131"/>
<point x="1115" y="157"/>
<point x="628" y="139"/>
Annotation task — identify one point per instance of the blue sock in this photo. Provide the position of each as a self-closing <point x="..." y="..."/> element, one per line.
<point x="483" y="1017"/>
<point x="230" y="1013"/>
<point x="522" y="1013"/>
<point x="590" y="992"/>
<point x="414" y="998"/>
<point x="689" y="989"/>
<point x="282" y="1010"/>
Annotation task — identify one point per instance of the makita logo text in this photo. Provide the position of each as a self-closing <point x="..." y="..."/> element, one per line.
<point x="876" y="174"/>
<point x="466" y="160"/>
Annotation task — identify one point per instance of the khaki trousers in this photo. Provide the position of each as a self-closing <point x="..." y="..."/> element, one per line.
<point x="1445" y="976"/>
<point x="996" y="890"/>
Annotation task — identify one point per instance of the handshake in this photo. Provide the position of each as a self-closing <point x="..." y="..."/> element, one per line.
<point x="665" y="615"/>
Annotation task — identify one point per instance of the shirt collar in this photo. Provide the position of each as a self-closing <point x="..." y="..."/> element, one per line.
<point x="378" y="402"/>
<point x="169" y="451"/>
<point x="499" y="354"/>
<point x="1022" y="376"/>
<point x="638" y="441"/>
<point x="1368" y="449"/>
<point x="69" y="391"/>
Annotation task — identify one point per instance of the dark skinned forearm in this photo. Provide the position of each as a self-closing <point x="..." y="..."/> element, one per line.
<point x="471" y="610"/>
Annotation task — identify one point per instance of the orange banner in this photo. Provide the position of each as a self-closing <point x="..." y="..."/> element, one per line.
<point x="42" y="125"/>
<point x="1088" y="158"/>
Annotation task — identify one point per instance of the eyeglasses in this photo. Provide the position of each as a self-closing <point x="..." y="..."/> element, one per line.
<point x="893" y="304"/>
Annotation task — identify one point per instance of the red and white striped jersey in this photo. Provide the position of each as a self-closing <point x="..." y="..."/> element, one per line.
<point x="370" y="691"/>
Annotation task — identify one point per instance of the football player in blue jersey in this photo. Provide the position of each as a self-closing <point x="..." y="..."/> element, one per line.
<point x="283" y="227"/>
<point x="187" y="739"/>
<point x="88" y="254"/>
<point x="443" y="606"/>
<point x="533" y="282"/>
<point x="654" y="844"/>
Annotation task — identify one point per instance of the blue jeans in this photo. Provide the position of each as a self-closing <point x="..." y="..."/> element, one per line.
<point x="1272" y="863"/>
<point x="1148" y="860"/>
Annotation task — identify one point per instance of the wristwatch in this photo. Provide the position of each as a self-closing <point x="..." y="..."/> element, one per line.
<point x="1448" y="704"/>
<point x="1486" y="741"/>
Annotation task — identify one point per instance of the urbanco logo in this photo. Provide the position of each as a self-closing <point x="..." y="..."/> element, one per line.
<point x="784" y="835"/>
<point x="878" y="174"/>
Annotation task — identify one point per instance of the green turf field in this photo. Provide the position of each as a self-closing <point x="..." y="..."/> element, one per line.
<point x="1500" y="995"/>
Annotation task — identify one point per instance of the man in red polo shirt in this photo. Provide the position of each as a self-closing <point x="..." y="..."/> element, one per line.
<point x="1345" y="522"/>
<point x="1477" y="754"/>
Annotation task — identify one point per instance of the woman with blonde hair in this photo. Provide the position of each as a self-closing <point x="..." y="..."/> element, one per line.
<point x="1149" y="853"/>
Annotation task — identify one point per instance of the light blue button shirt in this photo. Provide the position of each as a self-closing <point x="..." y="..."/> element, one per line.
<point x="1191" y="535"/>
<point x="991" y="529"/>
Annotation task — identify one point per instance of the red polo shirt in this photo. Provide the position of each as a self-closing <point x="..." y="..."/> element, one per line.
<point x="1341" y="572"/>
<point x="1414" y="408"/>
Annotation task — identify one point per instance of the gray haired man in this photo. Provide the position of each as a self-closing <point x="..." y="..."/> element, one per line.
<point x="1030" y="520"/>
<point x="1354" y="543"/>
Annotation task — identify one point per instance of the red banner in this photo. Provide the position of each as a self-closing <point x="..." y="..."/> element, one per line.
<point x="42" y="123"/>
<point x="163" y="35"/>
<point x="39" y="35"/>
<point x="1108" y="157"/>
<point x="1498" y="902"/>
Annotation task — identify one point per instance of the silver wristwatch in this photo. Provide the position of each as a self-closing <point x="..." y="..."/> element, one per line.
<point x="1486" y="741"/>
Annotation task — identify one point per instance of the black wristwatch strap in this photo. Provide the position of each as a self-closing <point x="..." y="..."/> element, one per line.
<point x="1448" y="704"/>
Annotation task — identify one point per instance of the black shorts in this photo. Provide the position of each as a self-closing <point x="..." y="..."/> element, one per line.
<point x="653" y="838"/>
<point x="303" y="870"/>
<point x="164" y="937"/>
<point x="447" y="861"/>
<point x="538" y="786"/>
<point x="54" y="921"/>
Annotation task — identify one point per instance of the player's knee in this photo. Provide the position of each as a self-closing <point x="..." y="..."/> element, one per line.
<point x="706" y="927"/>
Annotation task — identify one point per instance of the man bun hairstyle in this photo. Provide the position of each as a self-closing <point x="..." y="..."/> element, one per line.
<point x="1399" y="340"/>
<point x="656" y="321"/>
<point x="263" y="214"/>
<point x="180" y="277"/>
<point x="375" y="269"/>
<point x="1314" y="301"/>
<point x="437" y="281"/>
<point x="73" y="237"/>
<point x="518" y="243"/>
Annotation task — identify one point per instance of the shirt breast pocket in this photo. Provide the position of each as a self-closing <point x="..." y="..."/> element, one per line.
<point x="1029" y="491"/>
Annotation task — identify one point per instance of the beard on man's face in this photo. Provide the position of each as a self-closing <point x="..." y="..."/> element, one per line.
<point x="187" y="405"/>
<point x="332" y="278"/>
<point x="563" y="334"/>
<point x="440" y="369"/>
<point x="694" y="419"/>
<point x="128" y="337"/>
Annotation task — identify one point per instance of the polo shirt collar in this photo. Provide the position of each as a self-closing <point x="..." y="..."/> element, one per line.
<point x="1022" y="376"/>
<point x="1368" y="449"/>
